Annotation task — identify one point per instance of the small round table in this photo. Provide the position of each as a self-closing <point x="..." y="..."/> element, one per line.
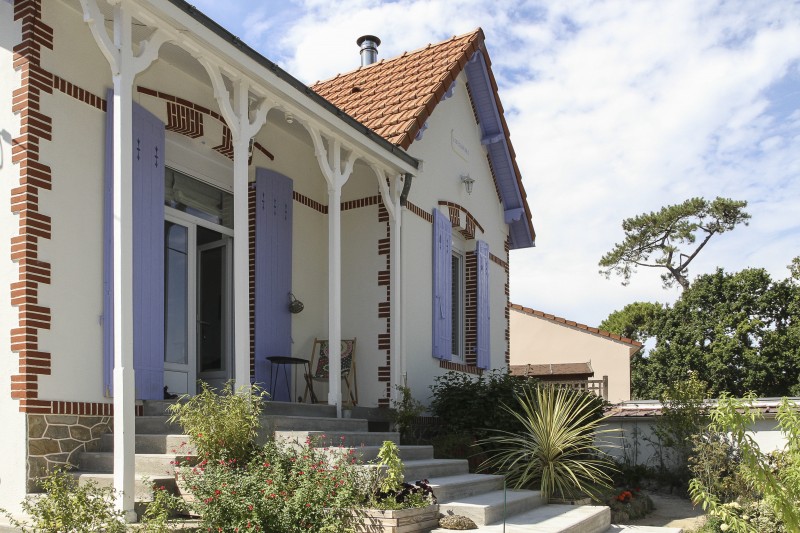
<point x="285" y="361"/>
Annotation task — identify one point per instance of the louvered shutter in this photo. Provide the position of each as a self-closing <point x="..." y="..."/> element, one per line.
<point x="442" y="287"/>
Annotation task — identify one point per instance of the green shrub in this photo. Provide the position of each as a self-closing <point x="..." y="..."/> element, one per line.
<point x="222" y="424"/>
<point x="771" y="481"/>
<point x="391" y="491"/>
<point x="472" y="405"/>
<point x="285" y="487"/>
<point x="404" y="412"/>
<point x="556" y="447"/>
<point x="67" y="506"/>
<point x="160" y="510"/>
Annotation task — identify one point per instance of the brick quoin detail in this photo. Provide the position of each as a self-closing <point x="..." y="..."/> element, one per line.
<point x="384" y="307"/>
<point x="33" y="226"/>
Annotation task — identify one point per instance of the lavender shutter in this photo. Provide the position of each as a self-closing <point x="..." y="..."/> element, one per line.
<point x="482" y="350"/>
<point x="273" y="278"/>
<point x="442" y="287"/>
<point x="148" y="255"/>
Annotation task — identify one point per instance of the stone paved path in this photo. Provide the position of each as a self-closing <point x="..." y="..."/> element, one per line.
<point x="672" y="511"/>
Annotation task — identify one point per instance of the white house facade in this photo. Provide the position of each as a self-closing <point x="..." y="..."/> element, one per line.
<point x="171" y="191"/>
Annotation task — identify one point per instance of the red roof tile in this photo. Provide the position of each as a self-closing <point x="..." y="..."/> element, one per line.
<point x="404" y="90"/>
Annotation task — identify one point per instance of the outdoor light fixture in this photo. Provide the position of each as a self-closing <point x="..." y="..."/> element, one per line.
<point x="467" y="180"/>
<point x="289" y="118"/>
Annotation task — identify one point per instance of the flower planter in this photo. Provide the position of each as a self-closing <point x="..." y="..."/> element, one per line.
<point x="422" y="519"/>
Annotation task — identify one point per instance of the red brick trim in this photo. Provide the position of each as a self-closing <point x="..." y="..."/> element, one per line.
<point x="384" y="305"/>
<point x="59" y="407"/>
<point x="34" y="175"/>
<point x="470" y="308"/>
<point x="458" y="367"/>
<point x="420" y="212"/>
<point x="507" y="287"/>
<point x="471" y="223"/>
<point x="186" y="118"/>
<point x="362" y="202"/>
<point x="308" y="202"/>
<point x="82" y="95"/>
<point x="494" y="259"/>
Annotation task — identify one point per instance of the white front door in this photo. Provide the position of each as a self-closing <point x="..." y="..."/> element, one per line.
<point x="197" y="307"/>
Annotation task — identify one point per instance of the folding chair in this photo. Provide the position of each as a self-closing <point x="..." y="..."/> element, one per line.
<point x="319" y="368"/>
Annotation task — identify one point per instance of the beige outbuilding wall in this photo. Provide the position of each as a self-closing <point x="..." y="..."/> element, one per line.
<point x="537" y="338"/>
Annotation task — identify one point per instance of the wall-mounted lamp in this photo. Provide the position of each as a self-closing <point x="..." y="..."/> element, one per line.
<point x="295" y="305"/>
<point x="289" y="118"/>
<point x="468" y="181"/>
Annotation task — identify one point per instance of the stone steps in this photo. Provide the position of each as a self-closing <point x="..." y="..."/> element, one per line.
<point x="489" y="507"/>
<point x="333" y="439"/>
<point x="158" y="444"/>
<point x="551" y="519"/>
<point x="160" y="464"/>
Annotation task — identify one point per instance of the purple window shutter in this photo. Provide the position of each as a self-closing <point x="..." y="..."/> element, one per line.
<point x="483" y="348"/>
<point x="273" y="278"/>
<point x="442" y="287"/>
<point x="148" y="255"/>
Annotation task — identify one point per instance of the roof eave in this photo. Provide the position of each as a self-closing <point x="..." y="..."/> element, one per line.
<point x="495" y="136"/>
<point x="302" y="90"/>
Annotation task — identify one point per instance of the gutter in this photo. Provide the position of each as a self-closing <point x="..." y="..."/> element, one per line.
<point x="221" y="32"/>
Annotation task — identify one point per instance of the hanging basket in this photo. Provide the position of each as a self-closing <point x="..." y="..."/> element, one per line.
<point x="295" y="305"/>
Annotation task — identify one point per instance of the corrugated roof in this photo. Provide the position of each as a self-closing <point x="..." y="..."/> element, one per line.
<point x="395" y="97"/>
<point x="768" y="407"/>
<point x="558" y="319"/>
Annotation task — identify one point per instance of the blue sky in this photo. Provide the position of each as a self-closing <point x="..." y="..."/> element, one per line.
<point x="615" y="108"/>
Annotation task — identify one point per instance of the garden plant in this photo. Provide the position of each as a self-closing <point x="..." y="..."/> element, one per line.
<point x="556" y="448"/>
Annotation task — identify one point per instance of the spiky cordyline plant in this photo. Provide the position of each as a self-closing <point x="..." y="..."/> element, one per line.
<point x="556" y="447"/>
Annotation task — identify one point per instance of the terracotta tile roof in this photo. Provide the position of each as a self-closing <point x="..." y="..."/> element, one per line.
<point x="596" y="331"/>
<point x="552" y="369"/>
<point x="395" y="97"/>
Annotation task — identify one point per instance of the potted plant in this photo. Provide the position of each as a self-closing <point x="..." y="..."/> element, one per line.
<point x="394" y="505"/>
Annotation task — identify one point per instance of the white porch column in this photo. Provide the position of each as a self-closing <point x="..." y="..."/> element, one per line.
<point x="335" y="296"/>
<point x="398" y="368"/>
<point x="237" y="117"/>
<point x="124" y="68"/>
<point x="330" y="163"/>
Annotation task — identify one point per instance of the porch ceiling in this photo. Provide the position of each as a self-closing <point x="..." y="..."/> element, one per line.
<point x="194" y="34"/>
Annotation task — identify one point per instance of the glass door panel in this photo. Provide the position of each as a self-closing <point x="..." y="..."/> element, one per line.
<point x="176" y="293"/>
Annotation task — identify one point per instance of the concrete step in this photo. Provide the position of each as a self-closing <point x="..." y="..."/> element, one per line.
<point x="157" y="443"/>
<point x="159" y="407"/>
<point x="642" y="529"/>
<point x="143" y="484"/>
<point x="155" y="424"/>
<point x="491" y="507"/>
<point x="367" y="454"/>
<point x="431" y="468"/>
<point x="333" y="439"/>
<point x="272" y="423"/>
<point x="453" y="488"/>
<point x="151" y="464"/>
<point x="552" y="519"/>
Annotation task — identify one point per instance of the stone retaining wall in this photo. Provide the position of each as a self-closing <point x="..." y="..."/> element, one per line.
<point x="56" y="440"/>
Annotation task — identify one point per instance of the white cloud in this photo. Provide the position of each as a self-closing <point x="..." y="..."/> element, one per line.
<point x="615" y="108"/>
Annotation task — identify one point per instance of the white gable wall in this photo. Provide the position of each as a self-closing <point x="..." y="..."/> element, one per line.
<point x="440" y="181"/>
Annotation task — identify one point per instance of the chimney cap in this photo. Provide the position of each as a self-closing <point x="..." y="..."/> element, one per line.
<point x="372" y="38"/>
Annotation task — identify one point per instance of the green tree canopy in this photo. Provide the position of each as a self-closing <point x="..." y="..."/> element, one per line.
<point x="671" y="238"/>
<point x="739" y="332"/>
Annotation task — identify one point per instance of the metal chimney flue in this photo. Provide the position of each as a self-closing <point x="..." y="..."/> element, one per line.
<point x="369" y="49"/>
